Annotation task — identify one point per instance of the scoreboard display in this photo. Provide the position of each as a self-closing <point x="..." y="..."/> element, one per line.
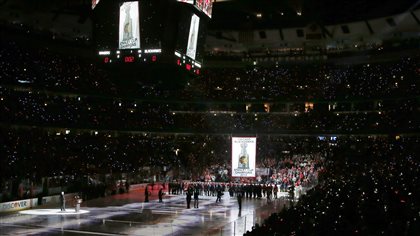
<point x="189" y="43"/>
<point x="152" y="31"/>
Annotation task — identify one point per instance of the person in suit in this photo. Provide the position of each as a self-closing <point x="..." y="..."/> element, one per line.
<point x="160" y="194"/>
<point x="146" y="194"/>
<point x="62" y="202"/>
<point x="219" y="194"/>
<point x="189" y="198"/>
<point x="239" y="197"/>
<point x="196" y="193"/>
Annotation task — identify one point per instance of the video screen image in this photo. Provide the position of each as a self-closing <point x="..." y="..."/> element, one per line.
<point x="193" y="36"/>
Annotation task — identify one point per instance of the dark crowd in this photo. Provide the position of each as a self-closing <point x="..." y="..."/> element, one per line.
<point x="46" y="69"/>
<point x="349" y="133"/>
<point x="36" y="107"/>
<point x="369" y="188"/>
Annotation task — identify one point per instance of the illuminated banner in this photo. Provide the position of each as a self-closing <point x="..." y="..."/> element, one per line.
<point x="243" y="156"/>
<point x="129" y="36"/>
<point x="94" y="3"/>
<point x="193" y="36"/>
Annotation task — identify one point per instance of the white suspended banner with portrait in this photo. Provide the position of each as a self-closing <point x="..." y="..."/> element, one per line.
<point x="129" y="30"/>
<point x="193" y="36"/>
<point x="243" y="156"/>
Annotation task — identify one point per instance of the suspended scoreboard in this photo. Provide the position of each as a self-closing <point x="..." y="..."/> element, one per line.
<point x="152" y="31"/>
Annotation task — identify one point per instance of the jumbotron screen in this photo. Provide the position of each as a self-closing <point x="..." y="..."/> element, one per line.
<point x="150" y="31"/>
<point x="130" y="25"/>
<point x="243" y="156"/>
<point x="191" y="34"/>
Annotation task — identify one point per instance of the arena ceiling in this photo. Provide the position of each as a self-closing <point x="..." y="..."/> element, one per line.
<point x="254" y="14"/>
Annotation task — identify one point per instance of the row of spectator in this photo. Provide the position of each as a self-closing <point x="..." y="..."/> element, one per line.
<point x="59" y="110"/>
<point x="47" y="69"/>
<point x="35" y="153"/>
<point x="369" y="190"/>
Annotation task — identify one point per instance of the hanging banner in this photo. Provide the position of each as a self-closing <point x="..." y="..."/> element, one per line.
<point x="129" y="30"/>
<point x="243" y="156"/>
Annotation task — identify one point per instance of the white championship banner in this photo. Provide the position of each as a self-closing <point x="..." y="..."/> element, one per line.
<point x="129" y="30"/>
<point x="243" y="156"/>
